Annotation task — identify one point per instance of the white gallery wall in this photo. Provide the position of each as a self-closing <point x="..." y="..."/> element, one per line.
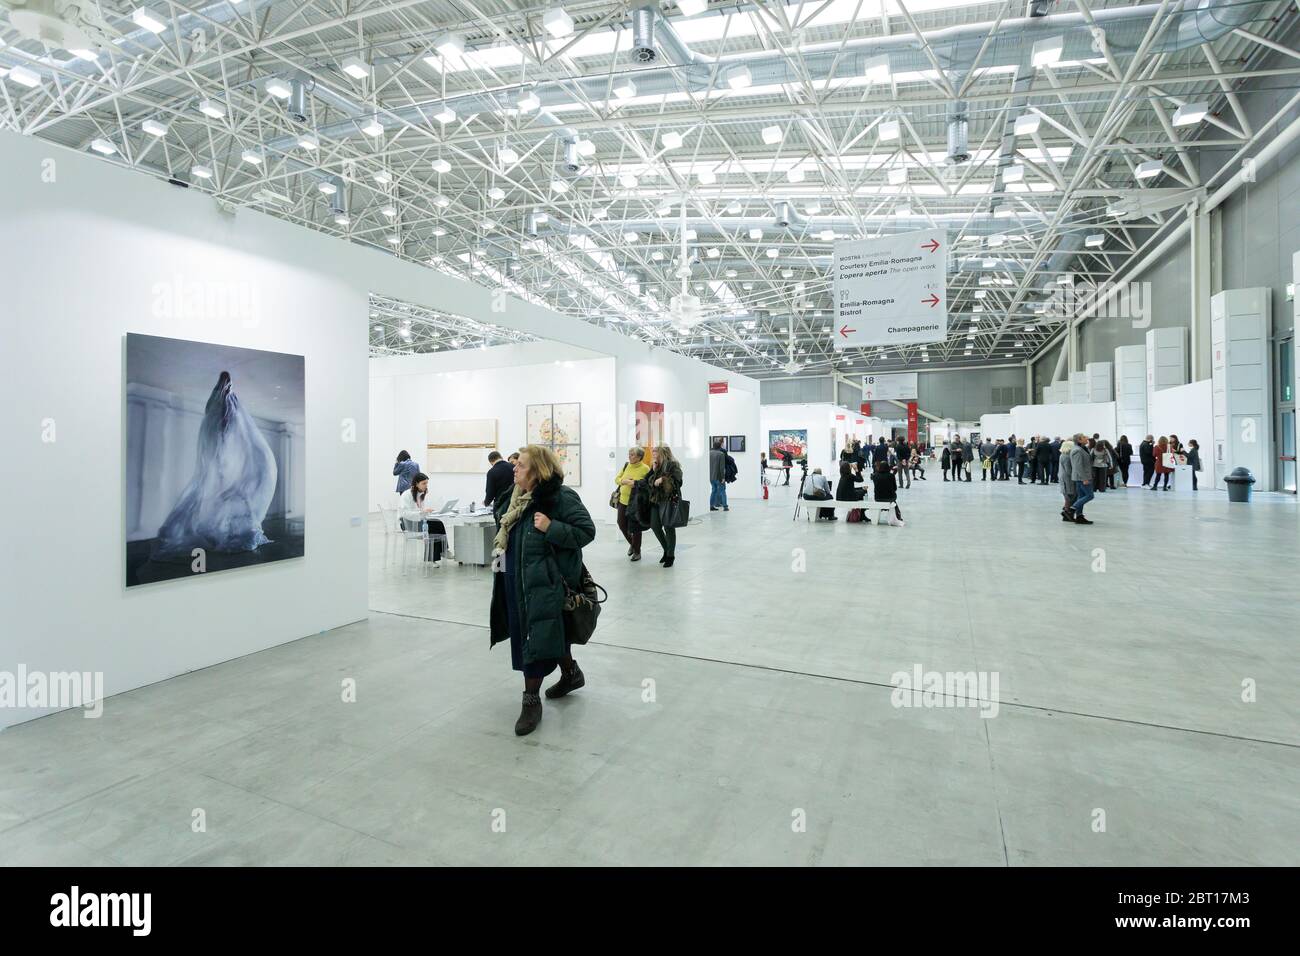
<point x="1062" y="421"/>
<point x="826" y="431"/>
<point x="1188" y="412"/>
<point x="90" y="251"/>
<point x="84" y="259"/>
<point x="407" y="391"/>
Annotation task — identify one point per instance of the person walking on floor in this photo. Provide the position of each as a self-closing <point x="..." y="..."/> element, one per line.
<point x="405" y="469"/>
<point x="633" y="470"/>
<point x="1066" y="473"/>
<point x="542" y="527"/>
<point x="1081" y="470"/>
<point x="718" y="477"/>
<point x="665" y="486"/>
<point x="1147" y="456"/>
<point x="1161" y="469"/>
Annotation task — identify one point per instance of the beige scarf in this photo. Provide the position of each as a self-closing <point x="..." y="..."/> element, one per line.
<point x="519" y="502"/>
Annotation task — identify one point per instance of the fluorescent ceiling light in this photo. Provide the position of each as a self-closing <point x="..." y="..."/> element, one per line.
<point x="630" y="237"/>
<point x="756" y="233"/>
<point x="528" y="102"/>
<point x="706" y="177"/>
<point x="390" y="212"/>
<point x="148" y="20"/>
<point x="559" y="186"/>
<point x="813" y="209"/>
<point x="445" y="115"/>
<point x="327" y="188"/>
<point x="671" y="140"/>
<point x="712" y="253"/>
<point x="1095" y="240"/>
<point x="772" y="135"/>
<point x="586" y="147"/>
<point x="557" y="23"/>
<point x="103" y="146"/>
<point x="373" y="127"/>
<point x="200" y="172"/>
<point x="383" y="177"/>
<point x="828" y="235"/>
<point x="1027" y="124"/>
<point x="1013" y="174"/>
<point x="1048" y="51"/>
<point x="691" y="235"/>
<point x="903" y="210"/>
<point x="981" y="293"/>
<point x="897" y="176"/>
<point x="773" y="253"/>
<point x="84" y="54"/>
<point x="442" y="202"/>
<point x="496" y="193"/>
<point x="394" y="239"/>
<point x="341" y="219"/>
<point x="877" y="70"/>
<point x="690" y="8"/>
<point x="450" y="44"/>
<point x="627" y="181"/>
<point x="441" y="166"/>
<point x="279" y="88"/>
<point x="624" y="89"/>
<point x="888" y="131"/>
<point x="309" y="142"/>
<point x="439" y="231"/>
<point x="734" y="207"/>
<point x="154" y="128"/>
<point x="356" y="67"/>
<point x="212" y="109"/>
<point x="251" y="156"/>
<point x="739" y="77"/>
<point x="1152" y="167"/>
<point x="795" y="174"/>
<point x="1190" y="114"/>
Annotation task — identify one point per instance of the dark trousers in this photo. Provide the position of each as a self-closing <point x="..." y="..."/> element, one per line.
<point x="667" y="537"/>
<point x="966" y="465"/>
<point x="1055" y="467"/>
<point x="633" y="537"/>
<point x="1123" y="470"/>
<point x="787" y="475"/>
<point x="1155" y="483"/>
<point x="1098" y="480"/>
<point x="1193" y="479"/>
<point x="1148" y="469"/>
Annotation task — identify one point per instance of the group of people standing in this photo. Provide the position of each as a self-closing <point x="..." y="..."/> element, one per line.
<point x="1152" y="452"/>
<point x="643" y="493"/>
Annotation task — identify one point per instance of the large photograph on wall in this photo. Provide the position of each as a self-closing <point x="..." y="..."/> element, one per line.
<point x="215" y="463"/>
<point x="792" y="440"/>
<point x="559" y="428"/>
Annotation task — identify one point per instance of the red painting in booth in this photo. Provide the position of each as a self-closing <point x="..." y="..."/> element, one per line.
<point x="911" y="423"/>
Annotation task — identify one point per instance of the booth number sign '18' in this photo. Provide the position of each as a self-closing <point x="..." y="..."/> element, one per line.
<point x="890" y="290"/>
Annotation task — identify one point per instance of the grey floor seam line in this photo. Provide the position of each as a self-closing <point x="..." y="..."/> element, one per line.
<point x="870" y="683"/>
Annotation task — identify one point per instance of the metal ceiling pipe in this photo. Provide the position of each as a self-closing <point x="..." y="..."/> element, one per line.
<point x="643" y="35"/>
<point x="296" y="108"/>
<point x="958" y="134"/>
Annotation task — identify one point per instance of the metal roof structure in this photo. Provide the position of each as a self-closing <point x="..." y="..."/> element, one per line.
<point x="603" y="158"/>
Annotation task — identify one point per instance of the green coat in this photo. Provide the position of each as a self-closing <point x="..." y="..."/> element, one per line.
<point x="540" y="593"/>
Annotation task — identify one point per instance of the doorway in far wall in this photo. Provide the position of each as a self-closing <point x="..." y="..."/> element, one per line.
<point x="1285" y="417"/>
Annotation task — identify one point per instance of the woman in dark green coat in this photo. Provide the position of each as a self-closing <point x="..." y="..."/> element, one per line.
<point x="665" y="482"/>
<point x="542" y="527"/>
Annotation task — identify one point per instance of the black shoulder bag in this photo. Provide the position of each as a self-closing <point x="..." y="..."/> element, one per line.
<point x="581" y="606"/>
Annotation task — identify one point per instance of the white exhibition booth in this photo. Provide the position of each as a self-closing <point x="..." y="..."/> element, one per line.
<point x="182" y="267"/>
<point x="825" y="426"/>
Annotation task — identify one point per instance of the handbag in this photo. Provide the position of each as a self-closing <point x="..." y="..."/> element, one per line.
<point x="855" y="516"/>
<point x="675" y="513"/>
<point x="581" y="606"/>
<point x="613" y="495"/>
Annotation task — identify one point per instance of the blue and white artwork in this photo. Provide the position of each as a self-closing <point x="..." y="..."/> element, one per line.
<point x="214" y="458"/>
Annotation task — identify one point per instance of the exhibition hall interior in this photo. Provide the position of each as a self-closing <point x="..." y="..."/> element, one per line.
<point x="695" y="433"/>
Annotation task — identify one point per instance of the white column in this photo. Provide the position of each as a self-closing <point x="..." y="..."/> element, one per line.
<point x="1201" y="279"/>
<point x="1241" y="321"/>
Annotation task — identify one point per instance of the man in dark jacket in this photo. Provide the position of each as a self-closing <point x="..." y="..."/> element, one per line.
<point x="500" y="476"/>
<point x="718" y="477"/>
<point x="1055" y="458"/>
<point x="904" y="452"/>
<point x="1043" y="451"/>
<point x="1147" y="455"/>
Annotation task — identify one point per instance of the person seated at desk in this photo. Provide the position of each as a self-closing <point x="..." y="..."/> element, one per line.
<point x="500" y="476"/>
<point x="414" y="513"/>
<point x="819" y="489"/>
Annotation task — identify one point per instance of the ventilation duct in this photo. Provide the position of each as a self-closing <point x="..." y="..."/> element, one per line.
<point x="785" y="215"/>
<point x="297" y="105"/>
<point x="572" y="161"/>
<point x="958" y="135"/>
<point x="643" y="35"/>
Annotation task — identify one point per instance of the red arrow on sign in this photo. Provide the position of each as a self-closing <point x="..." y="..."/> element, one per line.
<point x="932" y="245"/>
<point x="932" y="301"/>
<point x="845" y="330"/>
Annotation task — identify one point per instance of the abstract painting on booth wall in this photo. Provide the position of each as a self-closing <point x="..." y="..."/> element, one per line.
<point x="793" y="440"/>
<point x="559" y="428"/>
<point x="215" y="463"/>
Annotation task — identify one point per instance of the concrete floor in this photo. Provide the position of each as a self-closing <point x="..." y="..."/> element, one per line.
<point x="769" y="650"/>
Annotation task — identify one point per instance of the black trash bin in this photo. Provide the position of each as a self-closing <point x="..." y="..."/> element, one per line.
<point x="1239" y="483"/>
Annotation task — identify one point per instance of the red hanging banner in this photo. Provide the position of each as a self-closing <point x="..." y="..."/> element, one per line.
<point x="866" y="408"/>
<point x="911" y="423"/>
<point x="717" y="388"/>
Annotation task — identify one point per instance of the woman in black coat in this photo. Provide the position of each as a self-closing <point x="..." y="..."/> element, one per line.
<point x="945" y="460"/>
<point x="665" y="484"/>
<point x="542" y="527"/>
<point x="1124" y="452"/>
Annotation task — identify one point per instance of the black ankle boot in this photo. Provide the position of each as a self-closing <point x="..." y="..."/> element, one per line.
<point x="570" y="680"/>
<point x="530" y="716"/>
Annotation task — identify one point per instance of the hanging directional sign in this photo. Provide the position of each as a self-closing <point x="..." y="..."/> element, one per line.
<point x="890" y="290"/>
